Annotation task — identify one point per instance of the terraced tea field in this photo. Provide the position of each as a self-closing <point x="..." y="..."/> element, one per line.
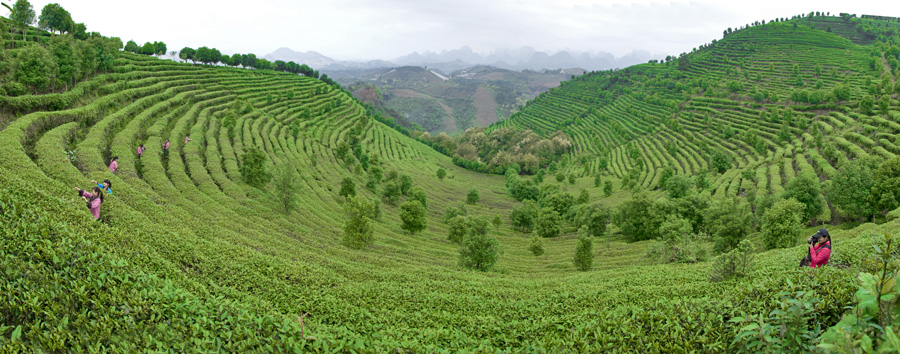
<point x="187" y="257"/>
<point x="736" y="96"/>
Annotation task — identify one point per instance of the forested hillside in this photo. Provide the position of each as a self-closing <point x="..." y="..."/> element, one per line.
<point x="472" y="97"/>
<point x="261" y="208"/>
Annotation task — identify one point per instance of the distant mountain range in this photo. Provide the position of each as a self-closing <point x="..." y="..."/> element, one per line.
<point x="448" y="61"/>
<point x="526" y="58"/>
<point x="321" y="62"/>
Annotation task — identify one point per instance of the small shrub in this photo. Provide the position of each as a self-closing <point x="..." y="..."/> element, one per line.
<point x="391" y="192"/>
<point x="734" y="264"/>
<point x="418" y="193"/>
<point x="523" y="218"/>
<point x="479" y="224"/>
<point x="596" y="218"/>
<point x="405" y="184"/>
<point x="358" y="228"/>
<point x="560" y="176"/>
<point x="457" y="229"/>
<point x="729" y="220"/>
<point x="583" y="197"/>
<point x="393" y="175"/>
<point x="376" y="210"/>
<point x="850" y="189"/>
<point x="677" y="243"/>
<point x="441" y="174"/>
<point x="473" y="197"/>
<point x="548" y="223"/>
<point x="454" y="210"/>
<point x="412" y="216"/>
<point x="376" y="175"/>
<point x="342" y="150"/>
<point x="286" y="187"/>
<point x="537" y="246"/>
<point x="571" y="179"/>
<point x="607" y="188"/>
<point x="584" y="254"/>
<point x="782" y="223"/>
<point x="561" y="202"/>
<point x="348" y="188"/>
<point x="701" y="181"/>
<point x="479" y="252"/>
<point x="498" y="221"/>
<point x="886" y="187"/>
<point x="253" y="167"/>
<point x="678" y="186"/>
<point x="636" y="219"/>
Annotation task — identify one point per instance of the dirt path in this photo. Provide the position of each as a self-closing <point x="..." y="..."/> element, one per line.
<point x="887" y="69"/>
<point x="485" y="107"/>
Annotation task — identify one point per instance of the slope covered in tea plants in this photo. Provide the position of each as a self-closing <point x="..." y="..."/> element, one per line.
<point x="777" y="100"/>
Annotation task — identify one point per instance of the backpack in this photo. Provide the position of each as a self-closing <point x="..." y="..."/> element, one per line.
<point x="808" y="259"/>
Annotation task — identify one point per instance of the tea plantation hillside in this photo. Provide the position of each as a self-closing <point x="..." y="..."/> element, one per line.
<point x="196" y="250"/>
<point x="777" y="99"/>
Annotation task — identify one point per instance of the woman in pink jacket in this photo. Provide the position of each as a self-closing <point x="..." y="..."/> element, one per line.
<point x="140" y="151"/>
<point x="114" y="165"/>
<point x="93" y="200"/>
<point x="166" y="148"/>
<point x="819" y="249"/>
<point x="187" y="138"/>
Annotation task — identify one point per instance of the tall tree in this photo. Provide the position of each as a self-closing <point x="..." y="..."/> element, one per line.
<point x="80" y="31"/>
<point x="35" y="68"/>
<point x="187" y="53"/>
<point x="850" y="188"/>
<point x="67" y="60"/>
<point x="23" y="16"/>
<point x="203" y="55"/>
<point x="56" y="18"/>
<point x="886" y="189"/>
<point x="215" y="55"/>
<point x="807" y="190"/>
<point x="132" y="47"/>
<point x="148" y="49"/>
<point x="160" y="48"/>
<point x="4" y="32"/>
<point x="248" y="60"/>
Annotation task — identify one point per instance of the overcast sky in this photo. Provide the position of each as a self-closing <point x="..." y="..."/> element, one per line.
<point x="386" y="29"/>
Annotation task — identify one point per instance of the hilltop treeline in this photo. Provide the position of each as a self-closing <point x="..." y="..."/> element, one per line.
<point x="41" y="63"/>
<point x="56" y="63"/>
